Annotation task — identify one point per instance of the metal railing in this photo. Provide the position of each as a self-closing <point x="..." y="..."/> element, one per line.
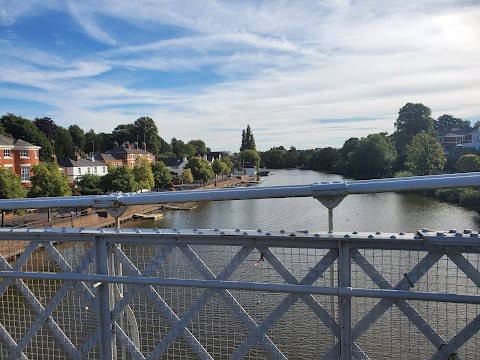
<point x="215" y="294"/>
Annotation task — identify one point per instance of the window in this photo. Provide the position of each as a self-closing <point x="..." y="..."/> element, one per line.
<point x="6" y="153"/>
<point x="148" y="156"/>
<point x="79" y="171"/>
<point x="36" y="153"/>
<point x="24" y="154"/>
<point x="88" y="170"/>
<point x="132" y="164"/>
<point x="104" y="169"/>
<point x="25" y="172"/>
<point x="132" y="156"/>
<point x="95" y="169"/>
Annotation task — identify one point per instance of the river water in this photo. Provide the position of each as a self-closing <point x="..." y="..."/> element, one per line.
<point x="386" y="212"/>
<point x="299" y="333"/>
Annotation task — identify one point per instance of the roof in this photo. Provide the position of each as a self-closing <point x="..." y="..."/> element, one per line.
<point x="79" y="163"/>
<point x="9" y="141"/>
<point x="122" y="149"/>
<point x="172" y="161"/>
<point x="104" y="157"/>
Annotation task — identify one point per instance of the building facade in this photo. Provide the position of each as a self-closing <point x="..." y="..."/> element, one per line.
<point x="125" y="154"/>
<point x="19" y="156"/>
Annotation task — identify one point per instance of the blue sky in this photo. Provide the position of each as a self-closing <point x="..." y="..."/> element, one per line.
<point x="302" y="73"/>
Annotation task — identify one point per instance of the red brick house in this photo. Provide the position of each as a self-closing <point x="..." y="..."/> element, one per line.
<point x="20" y="156"/>
<point x="125" y="154"/>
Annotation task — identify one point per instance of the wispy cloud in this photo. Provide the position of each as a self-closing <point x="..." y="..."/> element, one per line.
<point x="202" y="69"/>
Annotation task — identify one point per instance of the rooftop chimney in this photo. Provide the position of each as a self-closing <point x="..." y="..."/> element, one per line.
<point x="115" y="144"/>
<point x="127" y="144"/>
<point x="77" y="156"/>
<point x="144" y="146"/>
<point x="54" y="158"/>
<point x="135" y="145"/>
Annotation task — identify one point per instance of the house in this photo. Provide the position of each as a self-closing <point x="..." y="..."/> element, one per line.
<point x="125" y="154"/>
<point x="248" y="168"/>
<point x="210" y="156"/>
<point x="78" y="167"/>
<point x="20" y="156"/>
<point x="175" y="164"/>
<point x="474" y="140"/>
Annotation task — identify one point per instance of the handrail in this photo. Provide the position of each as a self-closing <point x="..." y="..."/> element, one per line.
<point x="317" y="190"/>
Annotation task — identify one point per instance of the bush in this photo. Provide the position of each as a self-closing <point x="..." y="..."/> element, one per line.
<point x="469" y="197"/>
<point x="403" y="174"/>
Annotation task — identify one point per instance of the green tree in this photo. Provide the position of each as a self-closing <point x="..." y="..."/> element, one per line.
<point x="201" y="169"/>
<point x="78" y="137"/>
<point x="468" y="163"/>
<point x="63" y="143"/>
<point x="161" y="174"/>
<point x="48" y="181"/>
<point x="250" y="156"/>
<point x="90" y="184"/>
<point x="248" y="141"/>
<point x="447" y="122"/>
<point x="119" y="178"/>
<point x="10" y="185"/>
<point x="218" y="167"/>
<point x="143" y="174"/>
<point x="412" y="119"/>
<point x="47" y="126"/>
<point x="21" y="128"/>
<point x="373" y="158"/>
<point x="199" y="145"/>
<point x="325" y="159"/>
<point x="186" y="177"/>
<point x="228" y="165"/>
<point x="425" y="155"/>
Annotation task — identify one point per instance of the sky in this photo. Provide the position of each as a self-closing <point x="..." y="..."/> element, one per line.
<point x="306" y="73"/>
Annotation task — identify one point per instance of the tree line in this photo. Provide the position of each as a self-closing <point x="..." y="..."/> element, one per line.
<point x="411" y="149"/>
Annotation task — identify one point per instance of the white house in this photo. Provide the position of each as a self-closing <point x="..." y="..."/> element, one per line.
<point x="175" y="164"/>
<point x="475" y="143"/>
<point x="247" y="169"/>
<point x="78" y="167"/>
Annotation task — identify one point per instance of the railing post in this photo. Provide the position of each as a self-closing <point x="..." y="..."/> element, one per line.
<point x="104" y="315"/>
<point x="345" y="302"/>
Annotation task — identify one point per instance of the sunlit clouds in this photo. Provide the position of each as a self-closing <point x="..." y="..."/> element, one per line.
<point x="304" y="74"/>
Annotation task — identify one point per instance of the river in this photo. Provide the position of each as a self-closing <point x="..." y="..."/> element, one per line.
<point x="385" y="212"/>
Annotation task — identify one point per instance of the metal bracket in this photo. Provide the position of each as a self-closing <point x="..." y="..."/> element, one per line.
<point x="330" y="194"/>
<point x="117" y="212"/>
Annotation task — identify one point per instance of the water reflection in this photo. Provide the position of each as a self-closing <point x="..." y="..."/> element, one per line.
<point x="392" y="212"/>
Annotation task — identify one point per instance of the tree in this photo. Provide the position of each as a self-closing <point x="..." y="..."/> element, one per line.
<point x="90" y="184"/>
<point x="161" y="174"/>
<point x="447" y="122"/>
<point x="218" y="167"/>
<point x="21" y="128"/>
<point x="119" y="178"/>
<point x="63" y="143"/>
<point x="425" y="155"/>
<point x="78" y="137"/>
<point x="10" y="185"/>
<point x="48" y="181"/>
<point x="47" y="126"/>
<point x="201" y="169"/>
<point x="199" y="145"/>
<point x="250" y="156"/>
<point x="181" y="149"/>
<point x="325" y="159"/>
<point x="412" y="119"/>
<point x="468" y="163"/>
<point x="228" y="165"/>
<point x="186" y="177"/>
<point x="143" y="174"/>
<point x="248" y="141"/>
<point x="373" y="158"/>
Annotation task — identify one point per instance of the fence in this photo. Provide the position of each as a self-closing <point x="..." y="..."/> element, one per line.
<point x="215" y="294"/>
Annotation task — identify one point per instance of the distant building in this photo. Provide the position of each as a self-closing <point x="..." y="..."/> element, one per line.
<point x="175" y="164"/>
<point x="125" y="154"/>
<point x="78" y="167"/>
<point x="20" y="156"/>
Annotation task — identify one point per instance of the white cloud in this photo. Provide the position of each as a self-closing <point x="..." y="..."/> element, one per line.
<point x="281" y="64"/>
